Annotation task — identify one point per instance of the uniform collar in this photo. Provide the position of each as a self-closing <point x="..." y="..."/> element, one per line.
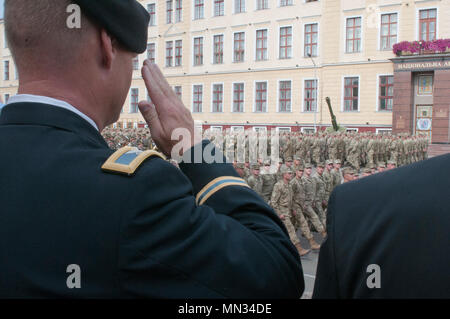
<point x="22" y="98"/>
<point x="49" y="115"/>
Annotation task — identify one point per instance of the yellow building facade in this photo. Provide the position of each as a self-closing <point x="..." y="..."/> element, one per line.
<point x="246" y="63"/>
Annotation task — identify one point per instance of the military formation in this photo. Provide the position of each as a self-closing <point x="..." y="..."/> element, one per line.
<point x="296" y="173"/>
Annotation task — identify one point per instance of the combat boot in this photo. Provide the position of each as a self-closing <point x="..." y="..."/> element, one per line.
<point x="301" y="250"/>
<point x="314" y="245"/>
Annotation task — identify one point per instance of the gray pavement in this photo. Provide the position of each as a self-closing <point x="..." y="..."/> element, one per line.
<point x="309" y="264"/>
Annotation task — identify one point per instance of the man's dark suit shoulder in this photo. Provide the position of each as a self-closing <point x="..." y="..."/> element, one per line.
<point x="398" y="220"/>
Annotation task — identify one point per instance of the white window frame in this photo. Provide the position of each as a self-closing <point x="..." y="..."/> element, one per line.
<point x="259" y="128"/>
<point x="234" y="7"/>
<point x="156" y="14"/>
<point x="343" y="93"/>
<point x="303" y="129"/>
<point x="380" y="14"/>
<point x="193" y="50"/>
<point x="256" y="5"/>
<point x="278" y="96"/>
<point x="192" y="98"/>
<point x="131" y="100"/>
<point x="303" y="39"/>
<point x="232" y="97"/>
<point x="175" y="12"/>
<point x="254" y="96"/>
<point x="283" y="129"/>
<point x="377" y="104"/>
<point x="237" y="129"/>
<point x="383" y="130"/>
<point x="212" y="97"/>
<point x="289" y="5"/>
<point x="268" y="44"/>
<point x="213" y="9"/>
<point x="245" y="46"/>
<point x="317" y="96"/>
<point x="217" y="128"/>
<point x="193" y="11"/>
<point x="418" y="25"/>
<point x="212" y="49"/>
<point x="279" y="42"/>
<point x="156" y="50"/>
<point x="362" y="34"/>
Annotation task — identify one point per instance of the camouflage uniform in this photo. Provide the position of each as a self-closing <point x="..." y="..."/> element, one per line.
<point x="282" y="204"/>
<point x="255" y="182"/>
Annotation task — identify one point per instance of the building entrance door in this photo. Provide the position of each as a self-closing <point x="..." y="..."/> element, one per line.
<point x="424" y="120"/>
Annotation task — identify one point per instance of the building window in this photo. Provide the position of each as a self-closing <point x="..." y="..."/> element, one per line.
<point x="353" y="36"/>
<point x="284" y="104"/>
<point x="262" y="4"/>
<point x="261" y="45"/>
<point x="285" y="42"/>
<point x="351" y="94"/>
<point x="428" y="24"/>
<point x="169" y="11"/>
<point x="151" y="8"/>
<point x="178" y="52"/>
<point x="6" y="98"/>
<point x="238" y="97"/>
<point x="199" y="9"/>
<point x="386" y="93"/>
<point x="217" y="98"/>
<point x="310" y="96"/>
<point x="6" y="73"/>
<point x="151" y="52"/>
<point x="169" y="53"/>
<point x="261" y="97"/>
<point x="388" y="31"/>
<point x="134" y="100"/>
<point x="136" y="63"/>
<point x="218" y="49"/>
<point x="311" y="1"/>
<point x="239" y="46"/>
<point x="198" y="51"/>
<point x="239" y="6"/>
<point x="219" y="8"/>
<point x="178" y="10"/>
<point x="198" y="98"/>
<point x="178" y="91"/>
<point x="284" y="3"/>
<point x="311" y="39"/>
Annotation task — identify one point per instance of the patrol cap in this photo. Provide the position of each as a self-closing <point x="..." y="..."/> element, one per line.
<point x="328" y="162"/>
<point x="337" y="162"/>
<point x="255" y="166"/>
<point x="320" y="165"/>
<point x="382" y="164"/>
<point x="367" y="170"/>
<point x="289" y="159"/>
<point x="300" y="168"/>
<point x="267" y="162"/>
<point x="392" y="163"/>
<point x="308" y="165"/>
<point x="348" y="170"/>
<point x="285" y="170"/>
<point x="297" y="158"/>
<point x="126" y="20"/>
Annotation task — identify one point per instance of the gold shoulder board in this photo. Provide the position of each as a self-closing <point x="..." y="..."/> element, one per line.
<point x="127" y="160"/>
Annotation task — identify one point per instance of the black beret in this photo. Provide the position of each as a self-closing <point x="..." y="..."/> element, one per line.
<point x="126" y="20"/>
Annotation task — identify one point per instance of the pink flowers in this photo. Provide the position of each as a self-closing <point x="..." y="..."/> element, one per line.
<point x="416" y="47"/>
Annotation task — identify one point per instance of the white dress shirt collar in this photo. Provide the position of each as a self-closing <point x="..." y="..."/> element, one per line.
<point x="29" y="98"/>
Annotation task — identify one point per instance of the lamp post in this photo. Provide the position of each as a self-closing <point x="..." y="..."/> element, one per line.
<point x="315" y="91"/>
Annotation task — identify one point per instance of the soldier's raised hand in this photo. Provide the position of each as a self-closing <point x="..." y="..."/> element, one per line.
<point x="166" y="112"/>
